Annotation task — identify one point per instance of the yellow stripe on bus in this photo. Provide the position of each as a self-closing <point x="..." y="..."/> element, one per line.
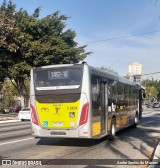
<point x="96" y="128"/>
<point x="120" y="121"/>
<point x="109" y="124"/>
<point x="124" y="120"/>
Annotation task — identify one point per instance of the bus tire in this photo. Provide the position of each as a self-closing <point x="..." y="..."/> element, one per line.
<point x="112" y="130"/>
<point x="136" y="120"/>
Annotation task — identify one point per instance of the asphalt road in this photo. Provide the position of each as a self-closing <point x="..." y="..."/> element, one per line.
<point x="16" y="142"/>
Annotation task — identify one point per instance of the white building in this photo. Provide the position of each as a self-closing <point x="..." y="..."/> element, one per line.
<point x="135" y="71"/>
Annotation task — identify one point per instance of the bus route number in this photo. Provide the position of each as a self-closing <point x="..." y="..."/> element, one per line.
<point x="58" y="74"/>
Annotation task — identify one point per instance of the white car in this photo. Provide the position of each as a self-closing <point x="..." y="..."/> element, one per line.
<point x="24" y="114"/>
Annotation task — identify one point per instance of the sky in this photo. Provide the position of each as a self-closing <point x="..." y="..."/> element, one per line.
<point x="117" y="33"/>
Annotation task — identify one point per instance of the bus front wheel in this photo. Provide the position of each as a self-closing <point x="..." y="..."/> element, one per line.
<point x="136" y="121"/>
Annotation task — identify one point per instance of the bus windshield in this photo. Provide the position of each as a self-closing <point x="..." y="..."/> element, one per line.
<point x="58" y="78"/>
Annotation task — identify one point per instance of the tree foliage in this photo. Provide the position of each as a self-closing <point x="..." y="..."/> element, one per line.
<point x="152" y="88"/>
<point x="108" y="69"/>
<point x="9" y="92"/>
<point x="28" y="41"/>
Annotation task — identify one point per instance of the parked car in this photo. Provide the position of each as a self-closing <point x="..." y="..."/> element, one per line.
<point x="149" y="105"/>
<point x="24" y="114"/>
<point x="17" y="109"/>
<point x="2" y="111"/>
<point x="156" y="105"/>
<point x="9" y="110"/>
<point x="6" y="110"/>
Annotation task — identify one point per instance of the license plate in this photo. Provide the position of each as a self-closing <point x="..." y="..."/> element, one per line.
<point x="57" y="124"/>
<point x="58" y="133"/>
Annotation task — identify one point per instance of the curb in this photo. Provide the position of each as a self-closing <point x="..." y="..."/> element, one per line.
<point x="157" y="152"/>
<point x="156" y="157"/>
<point x="146" y="149"/>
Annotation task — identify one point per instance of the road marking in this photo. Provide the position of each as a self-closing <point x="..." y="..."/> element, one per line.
<point x="14" y="132"/>
<point x="8" y="121"/>
<point x="150" y="121"/>
<point x="19" y="127"/>
<point x="150" y="113"/>
<point x="15" y="141"/>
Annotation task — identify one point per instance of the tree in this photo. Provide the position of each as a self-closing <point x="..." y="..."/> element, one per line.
<point x="152" y="88"/>
<point x="9" y="95"/>
<point x="108" y="69"/>
<point x="28" y="41"/>
<point x="127" y="76"/>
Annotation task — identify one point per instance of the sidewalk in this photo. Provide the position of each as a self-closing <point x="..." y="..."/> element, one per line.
<point x="156" y="157"/>
<point x="156" y="154"/>
<point x="4" y="118"/>
<point x="7" y="119"/>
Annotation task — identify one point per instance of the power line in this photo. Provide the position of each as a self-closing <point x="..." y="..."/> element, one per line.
<point x="150" y="73"/>
<point x="127" y="36"/>
<point x="115" y="61"/>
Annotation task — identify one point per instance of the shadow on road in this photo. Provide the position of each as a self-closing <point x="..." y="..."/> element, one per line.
<point x="147" y="134"/>
<point x="70" y="142"/>
<point x="142" y="139"/>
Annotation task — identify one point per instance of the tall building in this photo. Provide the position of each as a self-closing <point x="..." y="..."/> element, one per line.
<point x="135" y="71"/>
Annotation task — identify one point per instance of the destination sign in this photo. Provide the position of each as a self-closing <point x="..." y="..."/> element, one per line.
<point x="60" y="74"/>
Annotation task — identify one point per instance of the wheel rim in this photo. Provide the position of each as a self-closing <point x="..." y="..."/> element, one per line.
<point x="113" y="129"/>
<point x="136" y="119"/>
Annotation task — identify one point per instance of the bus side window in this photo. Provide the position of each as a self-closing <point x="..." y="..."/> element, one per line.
<point x="126" y="95"/>
<point x="114" y="95"/>
<point x="120" y="97"/>
<point x="95" y="88"/>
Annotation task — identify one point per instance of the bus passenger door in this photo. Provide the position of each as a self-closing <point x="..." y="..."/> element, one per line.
<point x="104" y="103"/>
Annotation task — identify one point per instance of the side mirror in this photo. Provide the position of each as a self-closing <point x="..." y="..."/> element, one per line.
<point x="143" y="94"/>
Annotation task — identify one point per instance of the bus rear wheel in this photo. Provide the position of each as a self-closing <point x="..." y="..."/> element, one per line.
<point x="112" y="130"/>
<point x="136" y="120"/>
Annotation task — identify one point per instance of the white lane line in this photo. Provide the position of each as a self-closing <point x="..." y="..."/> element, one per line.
<point x="15" y="141"/>
<point x="150" y="113"/>
<point x="14" y="133"/>
<point x="9" y="121"/>
<point x="13" y="127"/>
<point x="150" y="121"/>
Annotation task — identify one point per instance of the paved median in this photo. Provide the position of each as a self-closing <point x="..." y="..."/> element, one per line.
<point x="8" y="117"/>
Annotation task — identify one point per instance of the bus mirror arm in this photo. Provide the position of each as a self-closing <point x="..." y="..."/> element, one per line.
<point x="143" y="94"/>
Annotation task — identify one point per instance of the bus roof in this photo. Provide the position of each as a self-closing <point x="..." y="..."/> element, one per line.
<point x="112" y="76"/>
<point x="93" y="70"/>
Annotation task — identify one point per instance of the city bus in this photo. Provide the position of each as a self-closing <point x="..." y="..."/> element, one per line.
<point x="80" y="101"/>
